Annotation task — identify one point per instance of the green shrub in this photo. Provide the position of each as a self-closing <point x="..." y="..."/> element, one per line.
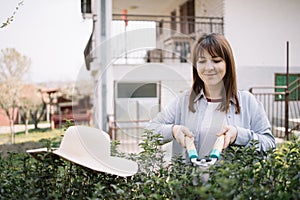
<point x="243" y="173"/>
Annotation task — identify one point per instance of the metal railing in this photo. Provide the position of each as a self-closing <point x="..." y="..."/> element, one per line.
<point x="283" y="113"/>
<point x="128" y="133"/>
<point x="175" y="35"/>
<point x="183" y="24"/>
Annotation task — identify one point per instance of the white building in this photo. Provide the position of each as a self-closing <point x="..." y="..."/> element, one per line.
<point x="138" y="71"/>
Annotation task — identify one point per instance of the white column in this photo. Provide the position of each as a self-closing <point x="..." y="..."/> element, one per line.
<point x="103" y="9"/>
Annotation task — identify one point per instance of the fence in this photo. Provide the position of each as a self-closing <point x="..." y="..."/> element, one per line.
<point x="129" y="133"/>
<point x="283" y="113"/>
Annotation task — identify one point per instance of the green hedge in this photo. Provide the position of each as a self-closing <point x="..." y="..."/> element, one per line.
<point x="242" y="174"/>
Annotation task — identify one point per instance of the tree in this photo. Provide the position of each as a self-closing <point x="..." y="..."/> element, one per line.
<point x="32" y="105"/>
<point x="38" y="108"/>
<point x="13" y="66"/>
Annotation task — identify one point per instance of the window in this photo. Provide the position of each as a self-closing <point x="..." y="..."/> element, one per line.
<point x="86" y="6"/>
<point x="280" y="80"/>
<point x="187" y="17"/>
<point x="137" y="90"/>
<point x="161" y="25"/>
<point x="173" y="20"/>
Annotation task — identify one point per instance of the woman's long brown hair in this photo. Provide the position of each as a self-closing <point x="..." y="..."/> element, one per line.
<point x="216" y="45"/>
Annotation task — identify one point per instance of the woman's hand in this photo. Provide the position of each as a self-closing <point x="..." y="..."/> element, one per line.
<point x="180" y="132"/>
<point x="230" y="133"/>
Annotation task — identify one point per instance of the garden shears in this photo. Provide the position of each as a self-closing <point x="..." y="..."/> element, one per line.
<point x="204" y="162"/>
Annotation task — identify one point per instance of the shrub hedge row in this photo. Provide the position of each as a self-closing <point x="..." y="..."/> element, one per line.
<point x="243" y="173"/>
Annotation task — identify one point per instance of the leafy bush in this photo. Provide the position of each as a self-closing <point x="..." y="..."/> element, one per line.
<point x="243" y="173"/>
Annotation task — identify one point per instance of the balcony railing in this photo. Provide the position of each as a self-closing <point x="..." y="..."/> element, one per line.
<point x="174" y="35"/>
<point x="183" y="24"/>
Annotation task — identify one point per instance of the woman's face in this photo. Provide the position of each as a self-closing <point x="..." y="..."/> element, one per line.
<point x="211" y="69"/>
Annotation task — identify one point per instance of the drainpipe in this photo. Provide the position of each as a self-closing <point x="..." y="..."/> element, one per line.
<point x="103" y="62"/>
<point x="287" y="93"/>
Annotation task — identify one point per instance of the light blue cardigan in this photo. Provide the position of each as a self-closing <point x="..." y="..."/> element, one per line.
<point x="252" y="122"/>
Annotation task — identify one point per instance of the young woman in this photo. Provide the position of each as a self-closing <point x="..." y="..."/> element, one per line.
<point x="213" y="106"/>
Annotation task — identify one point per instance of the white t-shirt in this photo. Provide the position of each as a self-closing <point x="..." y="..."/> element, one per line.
<point x="213" y="122"/>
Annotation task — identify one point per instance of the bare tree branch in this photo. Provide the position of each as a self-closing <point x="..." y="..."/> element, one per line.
<point x="11" y="18"/>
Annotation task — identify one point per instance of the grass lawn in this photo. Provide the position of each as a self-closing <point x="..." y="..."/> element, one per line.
<point x="33" y="135"/>
<point x="24" y="142"/>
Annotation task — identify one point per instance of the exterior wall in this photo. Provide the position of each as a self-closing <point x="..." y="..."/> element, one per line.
<point x="258" y="31"/>
<point x="203" y="8"/>
<point x="209" y="8"/>
<point x="175" y="6"/>
<point x="4" y="120"/>
<point x="175" y="79"/>
<point x="248" y="77"/>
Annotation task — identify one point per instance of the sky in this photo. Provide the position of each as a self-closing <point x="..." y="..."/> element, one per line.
<point x="52" y="33"/>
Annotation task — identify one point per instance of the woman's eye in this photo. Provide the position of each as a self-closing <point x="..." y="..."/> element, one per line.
<point x="217" y="61"/>
<point x="201" y="61"/>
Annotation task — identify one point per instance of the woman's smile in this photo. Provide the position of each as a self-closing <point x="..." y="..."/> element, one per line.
<point x="205" y="74"/>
